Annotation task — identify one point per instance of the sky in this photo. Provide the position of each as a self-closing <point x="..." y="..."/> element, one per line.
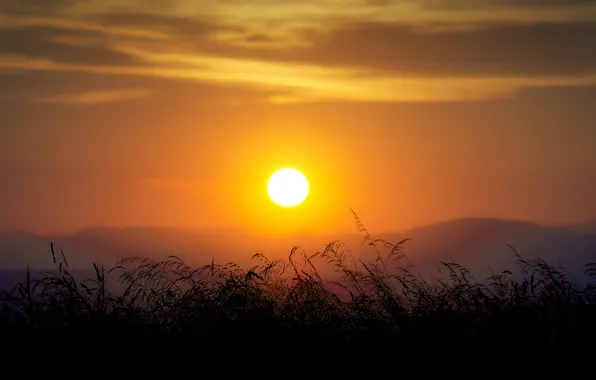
<point x="176" y="112"/>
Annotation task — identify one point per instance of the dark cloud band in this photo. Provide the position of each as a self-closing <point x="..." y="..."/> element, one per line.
<point x="532" y="49"/>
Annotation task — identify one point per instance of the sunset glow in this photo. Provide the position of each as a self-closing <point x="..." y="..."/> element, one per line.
<point x="410" y="112"/>
<point x="309" y="173"/>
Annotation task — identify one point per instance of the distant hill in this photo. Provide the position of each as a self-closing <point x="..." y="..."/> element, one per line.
<point x="586" y="227"/>
<point x="477" y="243"/>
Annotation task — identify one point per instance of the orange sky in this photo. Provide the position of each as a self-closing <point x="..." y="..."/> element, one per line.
<point x="175" y="113"/>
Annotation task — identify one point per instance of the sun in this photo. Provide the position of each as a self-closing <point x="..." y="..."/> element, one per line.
<point x="287" y="187"/>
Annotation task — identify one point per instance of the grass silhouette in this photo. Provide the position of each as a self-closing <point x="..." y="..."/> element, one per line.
<point x="382" y="304"/>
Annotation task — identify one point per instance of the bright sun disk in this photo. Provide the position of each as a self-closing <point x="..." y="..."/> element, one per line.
<point x="287" y="187"/>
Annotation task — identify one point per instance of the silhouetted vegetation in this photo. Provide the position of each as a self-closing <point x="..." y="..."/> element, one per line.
<point x="380" y="304"/>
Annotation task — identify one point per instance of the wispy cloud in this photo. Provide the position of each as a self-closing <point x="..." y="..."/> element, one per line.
<point x="69" y="23"/>
<point x="307" y="50"/>
<point x="97" y="96"/>
<point x="309" y="83"/>
<point x="301" y="12"/>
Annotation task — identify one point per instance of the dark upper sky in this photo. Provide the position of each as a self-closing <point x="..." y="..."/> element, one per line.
<point x="174" y="112"/>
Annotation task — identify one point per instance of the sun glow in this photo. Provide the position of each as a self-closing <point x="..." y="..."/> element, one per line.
<point x="288" y="187"/>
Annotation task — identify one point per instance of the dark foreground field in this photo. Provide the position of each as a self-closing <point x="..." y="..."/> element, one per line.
<point x="379" y="306"/>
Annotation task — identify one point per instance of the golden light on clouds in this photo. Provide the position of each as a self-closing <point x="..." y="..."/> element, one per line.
<point x="98" y="96"/>
<point x="332" y="12"/>
<point x="258" y="45"/>
<point x="74" y="24"/>
<point x="308" y="83"/>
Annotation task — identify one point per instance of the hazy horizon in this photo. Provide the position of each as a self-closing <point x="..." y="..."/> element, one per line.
<point x="478" y="242"/>
<point x="296" y="232"/>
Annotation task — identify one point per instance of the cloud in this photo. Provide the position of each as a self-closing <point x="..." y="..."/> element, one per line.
<point x="176" y="25"/>
<point x="299" y="11"/>
<point x="488" y="3"/>
<point x="436" y="49"/>
<point x="311" y="83"/>
<point x="354" y="57"/>
<point x="83" y="24"/>
<point x="35" y="6"/>
<point x="48" y="42"/>
<point x="494" y="49"/>
<point x="97" y="96"/>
